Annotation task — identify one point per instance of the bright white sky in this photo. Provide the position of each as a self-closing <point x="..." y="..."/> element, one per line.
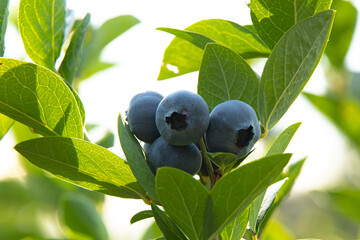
<point x="138" y="54"/>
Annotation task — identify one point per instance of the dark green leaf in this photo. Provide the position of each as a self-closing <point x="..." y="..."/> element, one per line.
<point x="4" y="13"/>
<point x="39" y="98"/>
<point x="82" y="163"/>
<point x="186" y="57"/>
<point x="283" y="140"/>
<point x="254" y="211"/>
<point x="183" y="198"/>
<point x="5" y="125"/>
<point x="231" y="196"/>
<point x="267" y="202"/>
<point x="225" y="75"/>
<point x="98" y="40"/>
<point x="343" y="112"/>
<point x="236" y="229"/>
<point x="42" y="25"/>
<point x="290" y="66"/>
<point x="342" y="32"/>
<point x="273" y="18"/>
<point x="136" y="159"/>
<point x="71" y="61"/>
<point x="79" y="215"/>
<point x="167" y="227"/>
<point x="141" y="216"/>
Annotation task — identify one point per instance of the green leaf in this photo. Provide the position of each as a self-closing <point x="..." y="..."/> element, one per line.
<point x="82" y="163"/>
<point x="291" y="174"/>
<point x="166" y="225"/>
<point x="267" y="202"/>
<point x="4" y="13"/>
<point x="283" y="140"/>
<point x="42" y="25"/>
<point x="342" y="32"/>
<point x="186" y="57"/>
<point x="39" y="98"/>
<point x="276" y="231"/>
<point x="290" y="66"/>
<point x="5" y="125"/>
<point x="343" y="112"/>
<point x="279" y="146"/>
<point x="135" y="158"/>
<point x="272" y="19"/>
<point x="71" y="61"/>
<point x="107" y="141"/>
<point x="79" y="103"/>
<point x="184" y="199"/>
<point x="236" y="229"/>
<point x="152" y="232"/>
<point x="225" y="75"/>
<point x="80" y="217"/>
<point x="231" y="196"/>
<point x="98" y="40"/>
<point x="141" y="216"/>
<point x="347" y="202"/>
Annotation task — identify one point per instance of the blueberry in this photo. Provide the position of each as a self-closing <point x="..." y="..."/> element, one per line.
<point x="182" y="118"/>
<point x="233" y="128"/>
<point x="186" y="158"/>
<point x="147" y="148"/>
<point x="141" y="116"/>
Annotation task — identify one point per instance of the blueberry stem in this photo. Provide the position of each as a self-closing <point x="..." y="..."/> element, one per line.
<point x="207" y="162"/>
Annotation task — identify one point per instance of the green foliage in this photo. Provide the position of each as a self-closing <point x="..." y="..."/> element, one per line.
<point x="236" y="229"/>
<point x="185" y="51"/>
<point x="71" y="62"/>
<point x="290" y="66"/>
<point x="272" y="19"/>
<point x="42" y="25"/>
<point x="184" y="199"/>
<point x="81" y="218"/>
<point x="135" y="158"/>
<point x="283" y="140"/>
<point x="4" y="13"/>
<point x="342" y="32"/>
<point x="39" y="98"/>
<point x="141" y="216"/>
<point x="82" y="163"/>
<point x="224" y="75"/>
<point x="167" y="227"/>
<point x="347" y="202"/>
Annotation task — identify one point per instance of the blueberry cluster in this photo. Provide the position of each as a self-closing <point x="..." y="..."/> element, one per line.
<point x="171" y="126"/>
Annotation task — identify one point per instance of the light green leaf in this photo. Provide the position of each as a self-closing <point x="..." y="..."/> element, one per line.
<point x="153" y="232"/>
<point x="5" y="125"/>
<point x="273" y="18"/>
<point x="80" y="217"/>
<point x="72" y="59"/>
<point x="42" y="25"/>
<point x="231" y="196"/>
<point x="236" y="229"/>
<point x="290" y="66"/>
<point x="39" y="98"/>
<point x="141" y="216"/>
<point x="98" y="40"/>
<point x="283" y="140"/>
<point x="4" y="13"/>
<point x="136" y="159"/>
<point x="222" y="159"/>
<point x="279" y="146"/>
<point x="186" y="57"/>
<point x="267" y="202"/>
<point x="166" y="225"/>
<point x="82" y="163"/>
<point x="225" y="75"/>
<point x="184" y="199"/>
<point x="276" y="231"/>
<point x="347" y="202"/>
<point x="342" y="32"/>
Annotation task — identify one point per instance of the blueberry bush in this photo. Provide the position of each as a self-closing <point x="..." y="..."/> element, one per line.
<point x="186" y="155"/>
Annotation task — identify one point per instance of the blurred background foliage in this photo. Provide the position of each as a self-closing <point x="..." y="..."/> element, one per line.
<point x="38" y="205"/>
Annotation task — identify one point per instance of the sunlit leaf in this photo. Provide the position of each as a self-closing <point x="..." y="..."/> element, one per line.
<point x="4" y="13"/>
